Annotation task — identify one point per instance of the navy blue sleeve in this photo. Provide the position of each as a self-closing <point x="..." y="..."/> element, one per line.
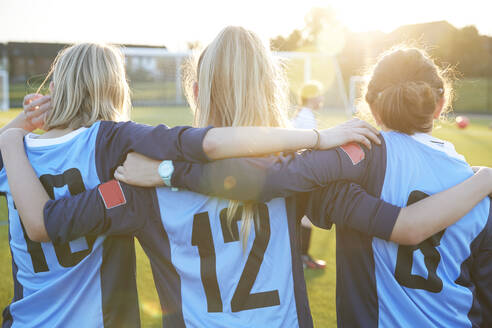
<point x="482" y="274"/>
<point x="236" y="178"/>
<point x="1" y="162"/>
<point x="116" y="140"/>
<point x="349" y="206"/>
<point x="70" y="218"/>
<point x="262" y="179"/>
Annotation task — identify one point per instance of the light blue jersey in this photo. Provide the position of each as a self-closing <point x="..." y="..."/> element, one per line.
<point x="445" y="281"/>
<point x="204" y="251"/>
<point x="417" y="286"/>
<point x="56" y="280"/>
<point x="89" y="281"/>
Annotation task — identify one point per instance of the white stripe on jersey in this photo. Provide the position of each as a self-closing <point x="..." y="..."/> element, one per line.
<point x="34" y="140"/>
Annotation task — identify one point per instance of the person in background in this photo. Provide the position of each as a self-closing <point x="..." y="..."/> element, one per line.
<point x="311" y="99"/>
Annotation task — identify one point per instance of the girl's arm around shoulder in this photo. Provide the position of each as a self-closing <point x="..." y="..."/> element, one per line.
<point x="349" y="205"/>
<point x="116" y="140"/>
<point x="113" y="208"/>
<point x="110" y="209"/>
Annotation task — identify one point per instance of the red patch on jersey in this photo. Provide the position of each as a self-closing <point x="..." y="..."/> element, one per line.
<point x="112" y="194"/>
<point x="355" y="152"/>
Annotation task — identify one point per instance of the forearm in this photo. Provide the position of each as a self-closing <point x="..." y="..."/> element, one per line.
<point x="240" y="179"/>
<point x="87" y="213"/>
<point x="27" y="191"/>
<point x="349" y="206"/>
<point x="419" y="221"/>
<point x="255" y="141"/>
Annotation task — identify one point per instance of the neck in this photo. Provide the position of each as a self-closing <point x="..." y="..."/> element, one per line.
<point x="56" y="133"/>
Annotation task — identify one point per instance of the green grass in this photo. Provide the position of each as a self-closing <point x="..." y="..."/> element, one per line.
<point x="475" y="143"/>
<point x="474" y="95"/>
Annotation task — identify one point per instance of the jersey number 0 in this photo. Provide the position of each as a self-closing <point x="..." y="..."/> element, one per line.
<point x="404" y="261"/>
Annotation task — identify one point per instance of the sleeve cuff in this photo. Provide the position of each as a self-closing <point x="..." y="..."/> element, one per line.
<point x="192" y="143"/>
<point x="385" y="220"/>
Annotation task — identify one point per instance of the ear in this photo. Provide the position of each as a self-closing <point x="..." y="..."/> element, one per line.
<point x="195" y="91"/>
<point x="439" y="107"/>
<point x="52" y="86"/>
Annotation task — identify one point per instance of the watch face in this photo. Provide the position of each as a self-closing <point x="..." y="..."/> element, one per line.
<point x="166" y="169"/>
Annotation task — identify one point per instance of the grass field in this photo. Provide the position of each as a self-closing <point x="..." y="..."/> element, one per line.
<point x="475" y="143"/>
<point x="474" y="95"/>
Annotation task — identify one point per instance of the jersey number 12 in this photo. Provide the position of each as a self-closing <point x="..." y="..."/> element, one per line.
<point x="242" y="299"/>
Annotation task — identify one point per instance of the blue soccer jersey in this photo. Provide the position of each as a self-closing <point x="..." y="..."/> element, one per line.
<point x="89" y="281"/>
<point x="446" y="281"/>
<point x="203" y="275"/>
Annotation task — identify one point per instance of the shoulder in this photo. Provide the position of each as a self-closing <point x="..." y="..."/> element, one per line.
<point x="357" y="153"/>
<point x="108" y="127"/>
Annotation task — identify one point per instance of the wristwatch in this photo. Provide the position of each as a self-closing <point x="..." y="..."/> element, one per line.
<point x="166" y="169"/>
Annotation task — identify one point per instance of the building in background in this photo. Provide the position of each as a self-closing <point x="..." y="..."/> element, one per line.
<point x="28" y="63"/>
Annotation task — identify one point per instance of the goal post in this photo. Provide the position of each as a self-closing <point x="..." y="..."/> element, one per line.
<point x="356" y="88"/>
<point x="4" y="90"/>
<point x="155" y="76"/>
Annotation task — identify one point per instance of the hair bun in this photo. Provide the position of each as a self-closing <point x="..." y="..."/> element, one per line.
<point x="405" y="89"/>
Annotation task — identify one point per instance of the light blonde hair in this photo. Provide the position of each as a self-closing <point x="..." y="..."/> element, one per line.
<point x="240" y="83"/>
<point x="89" y="85"/>
<point x="405" y="88"/>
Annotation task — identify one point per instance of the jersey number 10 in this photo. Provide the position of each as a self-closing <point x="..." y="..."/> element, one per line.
<point x="242" y="299"/>
<point x="73" y="180"/>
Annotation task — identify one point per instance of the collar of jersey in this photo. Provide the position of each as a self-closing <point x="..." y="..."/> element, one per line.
<point x="438" y="144"/>
<point x="33" y="140"/>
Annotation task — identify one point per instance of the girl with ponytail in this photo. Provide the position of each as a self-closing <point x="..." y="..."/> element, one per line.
<point x="211" y="274"/>
<point x="382" y="281"/>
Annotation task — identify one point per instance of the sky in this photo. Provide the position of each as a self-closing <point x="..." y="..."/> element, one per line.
<point x="174" y="23"/>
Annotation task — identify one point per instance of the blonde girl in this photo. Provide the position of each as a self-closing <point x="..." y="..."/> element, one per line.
<point x="226" y="278"/>
<point x="92" y="279"/>
<point x="443" y="278"/>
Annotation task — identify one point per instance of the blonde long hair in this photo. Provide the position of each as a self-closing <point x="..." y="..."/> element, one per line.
<point x="240" y="83"/>
<point x="89" y="84"/>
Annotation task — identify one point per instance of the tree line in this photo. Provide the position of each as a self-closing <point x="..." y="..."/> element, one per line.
<point x="464" y="49"/>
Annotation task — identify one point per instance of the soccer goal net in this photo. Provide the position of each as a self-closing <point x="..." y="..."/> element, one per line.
<point x="155" y="76"/>
<point x="4" y="90"/>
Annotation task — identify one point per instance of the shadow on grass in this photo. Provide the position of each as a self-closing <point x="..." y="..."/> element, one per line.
<point x="310" y="274"/>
